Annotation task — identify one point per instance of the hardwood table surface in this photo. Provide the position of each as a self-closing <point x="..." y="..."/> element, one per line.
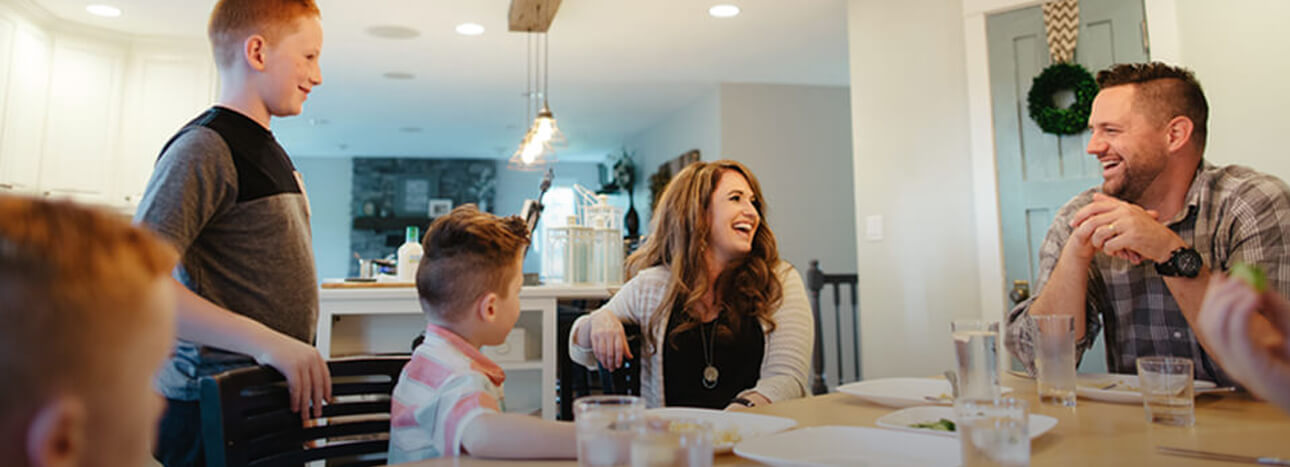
<point x="1092" y="433"/>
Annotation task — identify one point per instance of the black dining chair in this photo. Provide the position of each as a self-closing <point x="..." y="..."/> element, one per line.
<point x="817" y="280"/>
<point x="247" y="421"/>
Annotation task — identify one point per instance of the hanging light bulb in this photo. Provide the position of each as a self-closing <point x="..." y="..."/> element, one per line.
<point x="546" y="129"/>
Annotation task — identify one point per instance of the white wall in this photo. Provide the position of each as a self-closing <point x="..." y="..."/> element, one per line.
<point x="1239" y="53"/>
<point x="909" y="109"/>
<point x="697" y="126"/>
<point x="797" y="141"/>
<point x="329" y="182"/>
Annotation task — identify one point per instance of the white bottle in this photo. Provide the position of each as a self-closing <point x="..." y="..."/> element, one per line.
<point x="410" y="255"/>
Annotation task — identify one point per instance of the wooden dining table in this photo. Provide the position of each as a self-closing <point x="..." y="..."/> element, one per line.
<point x="1092" y="433"/>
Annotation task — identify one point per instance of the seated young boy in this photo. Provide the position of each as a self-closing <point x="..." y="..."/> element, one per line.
<point x="85" y="321"/>
<point x="448" y="400"/>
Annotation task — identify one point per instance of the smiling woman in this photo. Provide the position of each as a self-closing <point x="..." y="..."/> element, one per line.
<point x="729" y="323"/>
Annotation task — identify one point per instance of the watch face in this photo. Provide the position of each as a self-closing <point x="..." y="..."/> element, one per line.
<point x="1189" y="262"/>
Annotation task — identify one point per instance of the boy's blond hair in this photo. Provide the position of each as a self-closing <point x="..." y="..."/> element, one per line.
<point x="73" y="282"/>
<point x="468" y="253"/>
<point x="232" y="21"/>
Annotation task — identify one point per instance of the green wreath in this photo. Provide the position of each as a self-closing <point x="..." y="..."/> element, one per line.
<point x="1057" y="77"/>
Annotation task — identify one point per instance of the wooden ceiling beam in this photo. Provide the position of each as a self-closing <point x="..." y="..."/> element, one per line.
<point x="532" y="15"/>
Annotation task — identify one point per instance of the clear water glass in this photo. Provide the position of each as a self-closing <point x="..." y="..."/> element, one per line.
<point x="977" y="353"/>
<point x="1168" y="395"/>
<point x="606" y="426"/>
<point x="675" y="442"/>
<point x="993" y="432"/>
<point x="1054" y="340"/>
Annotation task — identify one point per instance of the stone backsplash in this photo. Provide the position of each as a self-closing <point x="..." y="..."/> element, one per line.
<point x="385" y="189"/>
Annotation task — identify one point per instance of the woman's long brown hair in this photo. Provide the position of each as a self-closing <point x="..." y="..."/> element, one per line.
<point x="678" y="241"/>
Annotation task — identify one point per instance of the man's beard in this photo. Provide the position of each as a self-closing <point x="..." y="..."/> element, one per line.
<point x="1135" y="179"/>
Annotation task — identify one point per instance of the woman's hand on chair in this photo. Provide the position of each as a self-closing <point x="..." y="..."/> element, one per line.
<point x="609" y="340"/>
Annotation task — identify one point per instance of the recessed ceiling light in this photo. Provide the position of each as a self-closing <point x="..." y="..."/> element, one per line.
<point x="469" y="29"/>
<point x="106" y="11"/>
<point x="398" y="75"/>
<point x="393" y="32"/>
<point x="723" y="11"/>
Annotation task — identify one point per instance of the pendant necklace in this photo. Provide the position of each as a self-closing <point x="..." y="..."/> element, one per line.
<point x="710" y="372"/>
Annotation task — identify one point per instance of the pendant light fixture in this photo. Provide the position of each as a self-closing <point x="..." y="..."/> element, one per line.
<point x="537" y="148"/>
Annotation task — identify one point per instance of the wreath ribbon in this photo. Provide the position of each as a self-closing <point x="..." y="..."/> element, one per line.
<point x="1061" y="26"/>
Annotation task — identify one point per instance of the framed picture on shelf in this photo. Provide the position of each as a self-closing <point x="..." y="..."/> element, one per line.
<point x="440" y="207"/>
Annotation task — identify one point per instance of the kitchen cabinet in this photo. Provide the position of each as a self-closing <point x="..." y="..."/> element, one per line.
<point x="84" y="113"/>
<point x="381" y="318"/>
<point x="22" y="118"/>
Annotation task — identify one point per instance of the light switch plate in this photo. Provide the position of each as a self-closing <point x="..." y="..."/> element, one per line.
<point x="873" y="228"/>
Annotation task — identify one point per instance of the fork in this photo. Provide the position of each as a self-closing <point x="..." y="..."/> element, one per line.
<point x="1217" y="456"/>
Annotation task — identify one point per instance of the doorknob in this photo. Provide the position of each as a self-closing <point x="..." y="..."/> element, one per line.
<point x="1020" y="291"/>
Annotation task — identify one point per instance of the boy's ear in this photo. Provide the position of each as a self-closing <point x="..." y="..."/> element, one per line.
<point x="486" y="307"/>
<point x="253" y="52"/>
<point x="56" y="434"/>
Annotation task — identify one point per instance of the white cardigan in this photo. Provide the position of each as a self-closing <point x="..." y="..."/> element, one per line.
<point x="786" y="362"/>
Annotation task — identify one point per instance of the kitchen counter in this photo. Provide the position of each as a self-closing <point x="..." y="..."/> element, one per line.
<point x="375" y="304"/>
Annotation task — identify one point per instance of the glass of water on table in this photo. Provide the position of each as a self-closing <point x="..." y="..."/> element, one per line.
<point x="977" y="353"/>
<point x="993" y="432"/>
<point x="1168" y="394"/>
<point x="606" y="426"/>
<point x="1054" y="344"/>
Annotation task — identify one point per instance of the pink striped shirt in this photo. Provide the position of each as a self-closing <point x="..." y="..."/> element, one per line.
<point x="446" y="385"/>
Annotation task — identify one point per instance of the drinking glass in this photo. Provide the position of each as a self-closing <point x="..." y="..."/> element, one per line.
<point x="606" y="426"/>
<point x="1167" y="392"/>
<point x="993" y="432"/>
<point x="676" y="442"/>
<point x="977" y="352"/>
<point x="1054" y="338"/>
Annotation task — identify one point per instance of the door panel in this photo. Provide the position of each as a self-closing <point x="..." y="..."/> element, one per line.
<point x="1040" y="172"/>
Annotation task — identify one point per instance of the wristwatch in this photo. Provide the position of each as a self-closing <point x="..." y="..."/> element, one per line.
<point x="1183" y="262"/>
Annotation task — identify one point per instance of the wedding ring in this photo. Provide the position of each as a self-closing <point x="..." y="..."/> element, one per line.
<point x="1110" y="227"/>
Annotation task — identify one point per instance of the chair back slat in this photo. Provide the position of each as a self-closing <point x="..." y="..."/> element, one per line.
<point x="246" y="413"/>
<point x="816" y="281"/>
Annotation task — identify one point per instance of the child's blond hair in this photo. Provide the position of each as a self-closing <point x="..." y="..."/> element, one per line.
<point x="73" y="282"/>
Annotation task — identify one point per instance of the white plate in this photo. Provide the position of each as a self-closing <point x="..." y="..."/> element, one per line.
<point x="745" y="425"/>
<point x="902" y="419"/>
<point x="851" y="446"/>
<point x="1088" y="385"/>
<point x="903" y="392"/>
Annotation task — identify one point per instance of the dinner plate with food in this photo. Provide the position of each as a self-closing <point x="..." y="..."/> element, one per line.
<point x="940" y="421"/>
<point x="1124" y="389"/>
<point x="904" y="392"/>
<point x="729" y="427"/>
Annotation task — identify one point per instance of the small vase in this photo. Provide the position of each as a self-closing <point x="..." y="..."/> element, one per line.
<point x="631" y="221"/>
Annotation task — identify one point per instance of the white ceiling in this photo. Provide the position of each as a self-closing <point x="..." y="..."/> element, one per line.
<point x="617" y="67"/>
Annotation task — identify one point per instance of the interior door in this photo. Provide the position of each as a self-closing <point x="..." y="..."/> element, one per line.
<point x="1039" y="172"/>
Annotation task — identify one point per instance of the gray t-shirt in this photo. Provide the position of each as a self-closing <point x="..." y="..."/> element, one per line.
<point x="226" y="195"/>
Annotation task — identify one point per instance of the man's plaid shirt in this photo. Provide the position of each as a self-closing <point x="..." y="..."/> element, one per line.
<point x="1232" y="214"/>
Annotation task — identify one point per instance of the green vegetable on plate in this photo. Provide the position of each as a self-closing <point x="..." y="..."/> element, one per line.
<point x="943" y="424"/>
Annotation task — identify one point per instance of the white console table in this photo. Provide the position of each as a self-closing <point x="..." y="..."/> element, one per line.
<point x="537" y="317"/>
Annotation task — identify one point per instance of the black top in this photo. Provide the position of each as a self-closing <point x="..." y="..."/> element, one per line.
<point x="737" y="360"/>
<point x="263" y="167"/>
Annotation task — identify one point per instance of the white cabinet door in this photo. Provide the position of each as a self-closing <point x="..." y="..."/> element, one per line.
<point x="22" y="119"/>
<point x="164" y="90"/>
<point x="84" y="120"/>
